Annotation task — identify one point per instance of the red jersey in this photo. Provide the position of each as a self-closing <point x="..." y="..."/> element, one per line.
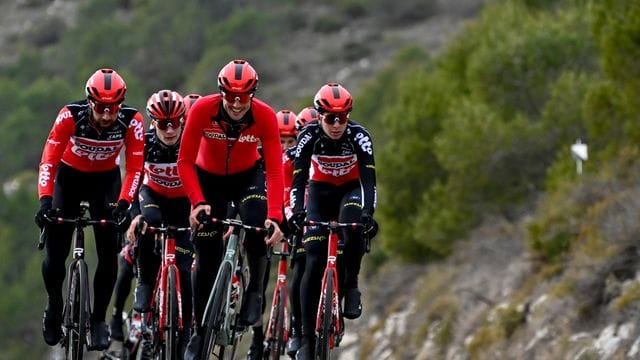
<point x="75" y="141"/>
<point x="209" y="143"/>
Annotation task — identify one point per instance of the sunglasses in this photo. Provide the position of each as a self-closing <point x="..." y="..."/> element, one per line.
<point x="100" y="108"/>
<point x="163" y="124"/>
<point x="232" y="97"/>
<point x="331" y="118"/>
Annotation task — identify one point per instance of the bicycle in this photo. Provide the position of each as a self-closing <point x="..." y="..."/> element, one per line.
<point x="329" y="321"/>
<point x="165" y="316"/>
<point x="223" y="307"/>
<point x="76" y="313"/>
<point x="278" y="326"/>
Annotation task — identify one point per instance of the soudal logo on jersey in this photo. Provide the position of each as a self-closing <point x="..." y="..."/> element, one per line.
<point x="334" y="165"/>
<point x="212" y="134"/>
<point x="94" y="149"/>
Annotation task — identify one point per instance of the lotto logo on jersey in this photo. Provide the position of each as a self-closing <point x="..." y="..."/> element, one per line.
<point x="95" y="150"/>
<point x="138" y="128"/>
<point x="364" y="142"/>
<point x="162" y="169"/>
<point x="45" y="174"/>
<point x="248" y="138"/>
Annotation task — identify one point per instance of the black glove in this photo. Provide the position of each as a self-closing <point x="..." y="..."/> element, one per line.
<point x="121" y="211"/>
<point x="369" y="225"/>
<point x="45" y="211"/>
<point x="296" y="221"/>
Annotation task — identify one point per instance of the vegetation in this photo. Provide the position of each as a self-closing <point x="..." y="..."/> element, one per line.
<point x="481" y="129"/>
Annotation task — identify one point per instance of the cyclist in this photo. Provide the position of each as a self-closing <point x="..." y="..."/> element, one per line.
<point x="189" y="100"/>
<point x="162" y="200"/>
<point x="342" y="186"/>
<point x="82" y="155"/>
<point x="218" y="163"/>
<point x="307" y="115"/>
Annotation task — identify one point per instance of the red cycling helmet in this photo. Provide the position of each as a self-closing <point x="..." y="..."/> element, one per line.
<point x="165" y="104"/>
<point x="238" y="76"/>
<point x="189" y="100"/>
<point x="333" y="98"/>
<point x="286" y="123"/>
<point x="106" y="86"/>
<point x="307" y="115"/>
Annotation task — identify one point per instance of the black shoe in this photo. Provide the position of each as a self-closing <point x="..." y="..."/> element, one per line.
<point x="304" y="353"/>
<point x="116" y="328"/>
<point x="292" y="346"/>
<point x="99" y="336"/>
<point x="194" y="348"/>
<point x="52" y="326"/>
<point x="256" y="349"/>
<point x="352" y="305"/>
<point x="251" y="310"/>
<point x="142" y="297"/>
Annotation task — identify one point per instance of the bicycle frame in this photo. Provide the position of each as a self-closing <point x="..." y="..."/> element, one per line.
<point x="232" y="261"/>
<point x="330" y="272"/>
<point x="167" y="236"/>
<point x="281" y="292"/>
<point x="78" y="264"/>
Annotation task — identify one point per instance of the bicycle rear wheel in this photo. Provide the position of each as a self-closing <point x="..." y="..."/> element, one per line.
<point x="170" y="330"/>
<point x="323" y="347"/>
<point x="77" y="315"/>
<point x="215" y="319"/>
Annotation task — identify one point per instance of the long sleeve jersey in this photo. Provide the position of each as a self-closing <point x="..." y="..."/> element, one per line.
<point x="161" y="168"/>
<point x="209" y="143"/>
<point x="75" y="141"/>
<point x="321" y="159"/>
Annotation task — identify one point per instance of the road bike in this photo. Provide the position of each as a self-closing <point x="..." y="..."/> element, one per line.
<point x="222" y="331"/>
<point x="329" y="322"/>
<point x="278" y="326"/>
<point x="76" y="313"/>
<point x="164" y="322"/>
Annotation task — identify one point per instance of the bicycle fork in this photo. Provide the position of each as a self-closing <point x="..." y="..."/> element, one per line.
<point x="335" y="302"/>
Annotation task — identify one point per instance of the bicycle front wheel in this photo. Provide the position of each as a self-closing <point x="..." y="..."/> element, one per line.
<point x="323" y="347"/>
<point x="215" y="318"/>
<point x="276" y="342"/>
<point x="77" y="315"/>
<point x="170" y="327"/>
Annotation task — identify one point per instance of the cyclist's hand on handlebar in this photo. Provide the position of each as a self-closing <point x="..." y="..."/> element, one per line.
<point x="121" y="211"/>
<point x="45" y="212"/>
<point x="296" y="221"/>
<point x="137" y="226"/>
<point x="195" y="218"/>
<point x="274" y="235"/>
<point x="369" y="225"/>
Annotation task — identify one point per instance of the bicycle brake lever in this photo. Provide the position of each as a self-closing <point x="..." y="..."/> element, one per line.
<point x="42" y="238"/>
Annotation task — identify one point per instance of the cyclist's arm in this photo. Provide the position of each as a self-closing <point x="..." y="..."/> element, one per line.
<point x="301" y="164"/>
<point x="366" y="166"/>
<point x="191" y="136"/>
<point x="59" y="136"/>
<point x="273" y="164"/>
<point x="134" y="157"/>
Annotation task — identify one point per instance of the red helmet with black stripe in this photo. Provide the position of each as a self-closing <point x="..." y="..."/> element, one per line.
<point x="307" y="115"/>
<point x="287" y="123"/>
<point x="238" y="76"/>
<point x="165" y="104"/>
<point x="333" y="98"/>
<point x="106" y="86"/>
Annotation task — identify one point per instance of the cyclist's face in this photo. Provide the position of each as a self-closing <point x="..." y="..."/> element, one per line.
<point x="334" y="125"/>
<point x="168" y="130"/>
<point x="104" y="115"/>
<point x="236" y="105"/>
<point x="287" y="142"/>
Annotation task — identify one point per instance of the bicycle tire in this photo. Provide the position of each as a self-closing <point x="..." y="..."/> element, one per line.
<point x="76" y="300"/>
<point x="324" y="341"/>
<point x="278" y="343"/>
<point x="171" y="329"/>
<point x="145" y="351"/>
<point x="215" y="318"/>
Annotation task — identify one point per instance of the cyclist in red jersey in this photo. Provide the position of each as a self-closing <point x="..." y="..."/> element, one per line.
<point x="219" y="162"/>
<point x="189" y="100"/>
<point x="82" y="155"/>
<point x="341" y="186"/>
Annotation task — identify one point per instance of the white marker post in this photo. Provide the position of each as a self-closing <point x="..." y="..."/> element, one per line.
<point x="579" y="153"/>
